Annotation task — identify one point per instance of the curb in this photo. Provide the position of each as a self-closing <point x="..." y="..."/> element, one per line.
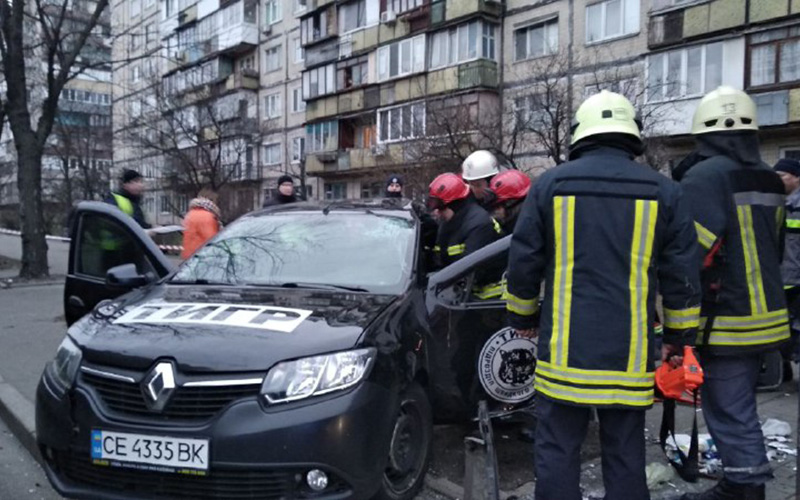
<point x="14" y="282"/>
<point x="20" y="416"/>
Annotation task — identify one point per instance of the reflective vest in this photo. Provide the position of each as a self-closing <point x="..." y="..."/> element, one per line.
<point x="124" y="204"/>
<point x="742" y="208"/>
<point x="470" y="229"/>
<point x="603" y="233"/>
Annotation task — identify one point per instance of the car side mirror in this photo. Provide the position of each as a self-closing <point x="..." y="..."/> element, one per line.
<point x="125" y="276"/>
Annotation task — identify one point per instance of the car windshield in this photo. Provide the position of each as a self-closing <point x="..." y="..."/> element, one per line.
<point x="366" y="250"/>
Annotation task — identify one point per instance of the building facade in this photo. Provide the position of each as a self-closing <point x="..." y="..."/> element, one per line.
<point x="77" y="159"/>
<point x="343" y="93"/>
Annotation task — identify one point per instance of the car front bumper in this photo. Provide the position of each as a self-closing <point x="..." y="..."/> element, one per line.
<point x="254" y="452"/>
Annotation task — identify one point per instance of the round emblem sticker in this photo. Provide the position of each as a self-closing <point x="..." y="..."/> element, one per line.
<point x="506" y="366"/>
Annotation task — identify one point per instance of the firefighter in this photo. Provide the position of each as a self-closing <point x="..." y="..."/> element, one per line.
<point x="601" y="274"/>
<point x="478" y="170"/>
<point x="789" y="171"/>
<point x="510" y="189"/>
<point x="464" y="227"/>
<point x="129" y="197"/>
<point x="737" y="203"/>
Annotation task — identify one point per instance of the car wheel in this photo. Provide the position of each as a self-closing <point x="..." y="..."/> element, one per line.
<point x="410" y="447"/>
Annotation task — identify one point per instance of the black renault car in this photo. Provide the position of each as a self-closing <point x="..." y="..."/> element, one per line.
<point x="304" y="352"/>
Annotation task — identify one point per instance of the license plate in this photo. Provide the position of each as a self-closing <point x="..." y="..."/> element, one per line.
<point x="167" y="454"/>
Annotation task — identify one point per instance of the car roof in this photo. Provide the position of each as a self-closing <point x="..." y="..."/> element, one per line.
<point x="400" y="207"/>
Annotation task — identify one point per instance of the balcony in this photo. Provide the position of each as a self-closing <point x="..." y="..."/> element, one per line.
<point x="473" y="74"/>
<point x="242" y="80"/>
<point x="455" y="9"/>
<point x="323" y="52"/>
<point x="187" y="15"/>
<point x="237" y="39"/>
<point x="695" y="21"/>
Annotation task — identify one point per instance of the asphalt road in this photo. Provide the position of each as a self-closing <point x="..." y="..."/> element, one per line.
<point x="21" y="478"/>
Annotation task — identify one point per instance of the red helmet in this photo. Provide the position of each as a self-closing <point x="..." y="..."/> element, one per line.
<point x="510" y="185"/>
<point x="446" y="189"/>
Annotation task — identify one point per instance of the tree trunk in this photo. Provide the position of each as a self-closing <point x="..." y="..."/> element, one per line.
<point x="31" y="215"/>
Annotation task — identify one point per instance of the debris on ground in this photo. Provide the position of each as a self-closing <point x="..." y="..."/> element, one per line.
<point x="775" y="427"/>
<point x="658" y="473"/>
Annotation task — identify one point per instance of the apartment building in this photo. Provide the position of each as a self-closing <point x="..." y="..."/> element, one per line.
<point x="77" y="159"/>
<point x="203" y="91"/>
<point x="664" y="55"/>
<point x="396" y="86"/>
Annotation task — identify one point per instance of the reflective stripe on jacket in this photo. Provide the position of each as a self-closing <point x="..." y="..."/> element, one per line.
<point x="602" y="232"/>
<point x="790" y="268"/>
<point x="743" y="205"/>
<point x="470" y="229"/>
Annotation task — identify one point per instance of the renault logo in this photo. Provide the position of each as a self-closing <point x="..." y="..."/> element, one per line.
<point x="158" y="386"/>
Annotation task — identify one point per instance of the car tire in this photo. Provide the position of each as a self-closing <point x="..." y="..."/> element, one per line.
<point x="410" y="447"/>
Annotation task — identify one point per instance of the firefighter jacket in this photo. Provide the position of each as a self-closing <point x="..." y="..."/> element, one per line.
<point x="603" y="232"/>
<point x="738" y="207"/>
<point x="470" y="229"/>
<point x="790" y="269"/>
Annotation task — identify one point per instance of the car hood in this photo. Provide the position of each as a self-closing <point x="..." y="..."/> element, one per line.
<point x="207" y="329"/>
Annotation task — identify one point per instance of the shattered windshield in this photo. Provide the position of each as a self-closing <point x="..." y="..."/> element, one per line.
<point x="349" y="250"/>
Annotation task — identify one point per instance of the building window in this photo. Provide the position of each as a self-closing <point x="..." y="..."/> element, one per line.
<point x="273" y="11"/>
<point x="300" y="5"/>
<point x="314" y="27"/>
<point x="164" y="204"/>
<point x="774" y="57"/>
<point x="169" y="7"/>
<point x="401" y="122"/>
<point x="136" y="7"/>
<point x="298" y="149"/>
<point x="402" y="58"/>
<point x="99" y="120"/>
<point x="136" y="74"/>
<point x="335" y="191"/>
<point x="353" y="73"/>
<point x="321" y="136"/>
<point x="536" y="40"/>
<point x="463" y="43"/>
<point x="298" y="104"/>
<point x="399" y="6"/>
<point x="273" y="58"/>
<point x="371" y="190"/>
<point x="272" y="105"/>
<point x="352" y="16"/>
<point x="299" y="53"/>
<point x="319" y="81"/>
<point x="272" y="154"/>
<point x="149" y="3"/>
<point x="688" y="72"/>
<point x="611" y="19"/>
<point x="149" y="33"/>
<point x="247" y="62"/>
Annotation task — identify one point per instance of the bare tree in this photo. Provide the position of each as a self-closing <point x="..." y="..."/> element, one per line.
<point x="44" y="36"/>
<point x="205" y="139"/>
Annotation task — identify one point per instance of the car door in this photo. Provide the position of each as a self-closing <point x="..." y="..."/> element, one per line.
<point x="461" y="323"/>
<point x="102" y="237"/>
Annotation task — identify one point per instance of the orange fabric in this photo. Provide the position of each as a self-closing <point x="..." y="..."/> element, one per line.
<point x="199" y="226"/>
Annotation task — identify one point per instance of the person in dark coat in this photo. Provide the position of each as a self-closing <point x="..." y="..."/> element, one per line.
<point x="286" y="192"/>
<point x="394" y="187"/>
<point x="129" y="197"/>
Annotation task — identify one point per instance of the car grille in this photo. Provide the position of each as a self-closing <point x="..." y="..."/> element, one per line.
<point x="186" y="404"/>
<point x="220" y="483"/>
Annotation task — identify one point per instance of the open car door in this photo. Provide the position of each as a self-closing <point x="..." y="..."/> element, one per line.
<point x="104" y="239"/>
<point x="473" y="355"/>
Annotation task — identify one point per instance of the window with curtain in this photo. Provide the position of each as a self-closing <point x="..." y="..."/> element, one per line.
<point x="774" y="57"/>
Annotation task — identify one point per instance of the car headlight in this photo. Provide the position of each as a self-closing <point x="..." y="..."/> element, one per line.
<point x="64" y="368"/>
<point x="303" y="378"/>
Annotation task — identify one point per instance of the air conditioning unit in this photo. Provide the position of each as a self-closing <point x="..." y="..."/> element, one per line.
<point x="388" y="17"/>
<point x="267" y="30"/>
<point x="380" y="149"/>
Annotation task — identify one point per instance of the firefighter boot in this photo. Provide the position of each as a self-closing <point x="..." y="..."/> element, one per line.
<point x="726" y="490"/>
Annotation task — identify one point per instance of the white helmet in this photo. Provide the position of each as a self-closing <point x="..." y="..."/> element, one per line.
<point x="479" y="165"/>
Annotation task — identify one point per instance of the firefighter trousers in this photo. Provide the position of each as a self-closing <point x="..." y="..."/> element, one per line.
<point x="560" y="431"/>
<point x="729" y="409"/>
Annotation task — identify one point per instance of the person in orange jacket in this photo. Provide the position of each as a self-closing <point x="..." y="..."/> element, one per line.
<point x="201" y="222"/>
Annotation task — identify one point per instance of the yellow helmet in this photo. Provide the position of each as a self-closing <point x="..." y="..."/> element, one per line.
<point x="605" y="113"/>
<point x="723" y="109"/>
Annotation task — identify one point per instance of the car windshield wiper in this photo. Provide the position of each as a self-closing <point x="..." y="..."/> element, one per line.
<point x="317" y="286"/>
